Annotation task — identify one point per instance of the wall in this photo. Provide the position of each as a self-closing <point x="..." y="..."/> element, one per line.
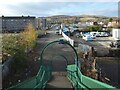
<point x="83" y="48"/>
<point x="16" y="23"/>
<point x="116" y="33"/>
<point x="68" y="39"/>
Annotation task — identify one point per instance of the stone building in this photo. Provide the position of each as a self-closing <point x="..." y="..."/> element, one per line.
<point x="42" y="23"/>
<point x="16" y="24"/>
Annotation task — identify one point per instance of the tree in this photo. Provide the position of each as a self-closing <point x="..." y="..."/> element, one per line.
<point x="94" y="28"/>
<point x="18" y="43"/>
<point x="110" y="19"/>
<point x="28" y="37"/>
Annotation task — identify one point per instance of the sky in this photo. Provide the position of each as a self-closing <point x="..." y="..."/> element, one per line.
<point x="45" y="8"/>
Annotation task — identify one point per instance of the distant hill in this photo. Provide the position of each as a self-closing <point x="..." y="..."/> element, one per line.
<point x="59" y="16"/>
<point x="80" y="16"/>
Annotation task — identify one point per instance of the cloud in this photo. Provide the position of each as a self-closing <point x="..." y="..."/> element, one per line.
<point x="35" y="8"/>
<point x="103" y="12"/>
<point x="39" y="8"/>
<point x="90" y="9"/>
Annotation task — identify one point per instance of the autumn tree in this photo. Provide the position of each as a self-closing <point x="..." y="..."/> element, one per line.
<point x="26" y="42"/>
<point x="28" y="37"/>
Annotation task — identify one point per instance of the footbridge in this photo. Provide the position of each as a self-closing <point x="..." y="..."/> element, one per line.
<point x="69" y="76"/>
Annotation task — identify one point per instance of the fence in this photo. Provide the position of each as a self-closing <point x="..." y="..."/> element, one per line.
<point x="38" y="81"/>
<point x="68" y="39"/>
<point x="81" y="81"/>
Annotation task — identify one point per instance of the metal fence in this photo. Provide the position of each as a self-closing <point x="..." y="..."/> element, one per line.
<point x="80" y="81"/>
<point x="39" y="81"/>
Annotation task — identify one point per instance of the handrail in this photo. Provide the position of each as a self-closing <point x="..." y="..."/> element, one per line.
<point x="42" y="77"/>
<point x="37" y="81"/>
<point x="71" y="70"/>
<point x="77" y="81"/>
<point x="84" y="81"/>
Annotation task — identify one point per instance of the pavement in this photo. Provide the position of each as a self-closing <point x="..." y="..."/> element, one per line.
<point x="59" y="80"/>
<point x="53" y="54"/>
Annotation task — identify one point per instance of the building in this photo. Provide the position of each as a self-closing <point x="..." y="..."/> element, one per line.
<point x="39" y="23"/>
<point x="0" y="24"/>
<point x="44" y="23"/>
<point x="116" y="34"/>
<point x="16" y="24"/>
<point x="113" y="23"/>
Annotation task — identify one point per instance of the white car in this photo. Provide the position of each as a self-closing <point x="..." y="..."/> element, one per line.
<point x="88" y="37"/>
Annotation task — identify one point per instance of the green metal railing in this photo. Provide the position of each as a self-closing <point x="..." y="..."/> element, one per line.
<point x="73" y="73"/>
<point x="81" y="81"/>
<point x="39" y="81"/>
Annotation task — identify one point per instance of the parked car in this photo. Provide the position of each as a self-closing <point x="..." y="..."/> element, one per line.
<point x="67" y="33"/>
<point x="102" y="34"/>
<point x="88" y="37"/>
<point x="115" y="43"/>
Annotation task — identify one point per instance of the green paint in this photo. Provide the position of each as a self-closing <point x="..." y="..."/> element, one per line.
<point x="74" y="75"/>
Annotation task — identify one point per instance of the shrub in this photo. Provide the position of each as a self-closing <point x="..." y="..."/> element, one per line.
<point x="28" y="37"/>
<point x="9" y="43"/>
<point x="18" y="45"/>
<point x="94" y="28"/>
<point x="20" y="61"/>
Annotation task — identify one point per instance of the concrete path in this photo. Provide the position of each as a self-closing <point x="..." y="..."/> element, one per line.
<point x="59" y="80"/>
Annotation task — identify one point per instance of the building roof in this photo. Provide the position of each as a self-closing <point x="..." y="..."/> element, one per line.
<point x="16" y="17"/>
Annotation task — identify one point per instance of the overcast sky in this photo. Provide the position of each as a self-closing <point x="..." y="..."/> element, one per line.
<point x="39" y="8"/>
